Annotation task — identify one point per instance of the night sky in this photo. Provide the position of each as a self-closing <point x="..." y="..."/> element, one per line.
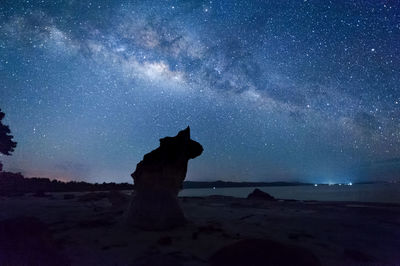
<point x="273" y="90"/>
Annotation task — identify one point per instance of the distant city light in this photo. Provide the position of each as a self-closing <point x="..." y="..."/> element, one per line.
<point x="315" y="185"/>
<point x="350" y="184"/>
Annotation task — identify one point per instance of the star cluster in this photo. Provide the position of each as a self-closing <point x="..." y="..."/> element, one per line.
<point x="274" y="90"/>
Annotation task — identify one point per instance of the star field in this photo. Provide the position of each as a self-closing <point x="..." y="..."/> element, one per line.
<point x="273" y="90"/>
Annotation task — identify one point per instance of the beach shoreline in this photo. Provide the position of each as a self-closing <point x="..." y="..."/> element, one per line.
<point x="90" y="228"/>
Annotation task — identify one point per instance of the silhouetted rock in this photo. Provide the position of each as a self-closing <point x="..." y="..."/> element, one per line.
<point x="263" y="252"/>
<point x="28" y="241"/>
<point x="158" y="179"/>
<point x="260" y="195"/>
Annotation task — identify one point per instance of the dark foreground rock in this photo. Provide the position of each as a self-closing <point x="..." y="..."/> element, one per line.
<point x="27" y="241"/>
<point x="262" y="252"/>
<point x="158" y="179"/>
<point x="260" y="195"/>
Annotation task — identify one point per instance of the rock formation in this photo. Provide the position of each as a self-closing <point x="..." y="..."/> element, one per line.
<point x="157" y="181"/>
<point x="258" y="194"/>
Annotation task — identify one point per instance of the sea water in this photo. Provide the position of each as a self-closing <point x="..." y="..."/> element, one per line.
<point x="389" y="193"/>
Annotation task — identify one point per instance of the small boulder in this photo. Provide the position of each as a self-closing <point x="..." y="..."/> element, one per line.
<point x="257" y="194"/>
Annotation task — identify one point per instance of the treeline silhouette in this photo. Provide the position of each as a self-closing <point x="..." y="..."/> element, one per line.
<point x="7" y="145"/>
<point x="16" y="184"/>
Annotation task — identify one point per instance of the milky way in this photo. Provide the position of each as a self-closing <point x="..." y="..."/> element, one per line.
<point x="273" y="90"/>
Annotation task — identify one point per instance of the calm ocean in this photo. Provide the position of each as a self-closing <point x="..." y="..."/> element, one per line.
<point x="363" y="193"/>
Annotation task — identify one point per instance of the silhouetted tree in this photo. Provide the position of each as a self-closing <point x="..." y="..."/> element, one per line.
<point x="7" y="145"/>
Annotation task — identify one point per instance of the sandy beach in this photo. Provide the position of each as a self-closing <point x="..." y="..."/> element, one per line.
<point x="90" y="229"/>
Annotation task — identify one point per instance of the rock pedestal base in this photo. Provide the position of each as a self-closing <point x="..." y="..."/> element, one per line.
<point x="155" y="210"/>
